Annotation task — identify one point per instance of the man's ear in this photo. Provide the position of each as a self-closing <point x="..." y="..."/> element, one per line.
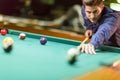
<point x="102" y="5"/>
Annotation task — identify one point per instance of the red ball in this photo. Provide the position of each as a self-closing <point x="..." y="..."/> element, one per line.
<point x="22" y="36"/>
<point x="3" y="32"/>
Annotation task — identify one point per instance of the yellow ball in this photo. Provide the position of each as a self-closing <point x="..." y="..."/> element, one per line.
<point x="8" y="40"/>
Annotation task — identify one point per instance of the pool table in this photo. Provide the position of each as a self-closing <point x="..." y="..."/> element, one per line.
<point x="29" y="60"/>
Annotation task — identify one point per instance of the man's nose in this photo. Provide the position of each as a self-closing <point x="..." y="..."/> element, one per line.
<point x="92" y="15"/>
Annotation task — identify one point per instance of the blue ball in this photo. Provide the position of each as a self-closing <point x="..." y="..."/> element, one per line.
<point x="43" y="40"/>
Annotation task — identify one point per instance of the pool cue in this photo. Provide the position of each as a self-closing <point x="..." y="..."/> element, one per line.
<point x="82" y="42"/>
<point x="85" y="40"/>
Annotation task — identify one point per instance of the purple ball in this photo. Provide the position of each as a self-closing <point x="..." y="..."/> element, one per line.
<point x="43" y="40"/>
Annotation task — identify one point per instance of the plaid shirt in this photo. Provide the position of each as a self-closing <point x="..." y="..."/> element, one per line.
<point x="106" y="31"/>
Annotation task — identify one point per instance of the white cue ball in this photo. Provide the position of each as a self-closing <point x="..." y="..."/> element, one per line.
<point x="72" y="51"/>
<point x="72" y="55"/>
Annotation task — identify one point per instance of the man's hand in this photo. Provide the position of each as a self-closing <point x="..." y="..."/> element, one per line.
<point x="88" y="33"/>
<point x="87" y="48"/>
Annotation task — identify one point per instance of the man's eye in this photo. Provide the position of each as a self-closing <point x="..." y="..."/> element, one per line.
<point x="88" y="12"/>
<point x="95" y="11"/>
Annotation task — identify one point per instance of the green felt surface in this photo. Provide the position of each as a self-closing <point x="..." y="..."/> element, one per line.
<point x="29" y="60"/>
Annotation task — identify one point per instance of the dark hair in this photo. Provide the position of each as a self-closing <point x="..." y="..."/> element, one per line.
<point x="92" y="2"/>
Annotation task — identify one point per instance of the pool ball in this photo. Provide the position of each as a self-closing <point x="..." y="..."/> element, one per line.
<point x="22" y="36"/>
<point x="7" y="47"/>
<point x="3" y="32"/>
<point x="43" y="40"/>
<point x="6" y="30"/>
<point x="116" y="64"/>
<point x="7" y="44"/>
<point x="72" y="55"/>
<point x="8" y="40"/>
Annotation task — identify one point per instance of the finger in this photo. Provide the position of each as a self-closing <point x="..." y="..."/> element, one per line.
<point x="87" y="35"/>
<point x="86" y="49"/>
<point x="93" y="49"/>
<point x="90" y="34"/>
<point x="79" y="47"/>
<point x="89" y="49"/>
<point x="82" y="48"/>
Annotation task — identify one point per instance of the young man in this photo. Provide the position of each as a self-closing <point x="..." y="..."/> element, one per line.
<point x="102" y="24"/>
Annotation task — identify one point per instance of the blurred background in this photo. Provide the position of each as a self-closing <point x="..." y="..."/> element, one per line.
<point x="40" y="9"/>
<point x="43" y="10"/>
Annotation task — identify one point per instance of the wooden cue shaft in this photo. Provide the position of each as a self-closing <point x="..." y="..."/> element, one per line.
<point x="83" y="42"/>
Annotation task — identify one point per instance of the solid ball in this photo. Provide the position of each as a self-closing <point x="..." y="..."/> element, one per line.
<point x="43" y="40"/>
<point x="72" y="55"/>
<point x="22" y="36"/>
<point x="3" y="32"/>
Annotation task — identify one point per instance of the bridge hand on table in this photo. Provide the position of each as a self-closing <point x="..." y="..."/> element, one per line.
<point x="87" y="48"/>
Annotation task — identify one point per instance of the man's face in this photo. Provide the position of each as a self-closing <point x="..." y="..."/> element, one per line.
<point x="93" y="12"/>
